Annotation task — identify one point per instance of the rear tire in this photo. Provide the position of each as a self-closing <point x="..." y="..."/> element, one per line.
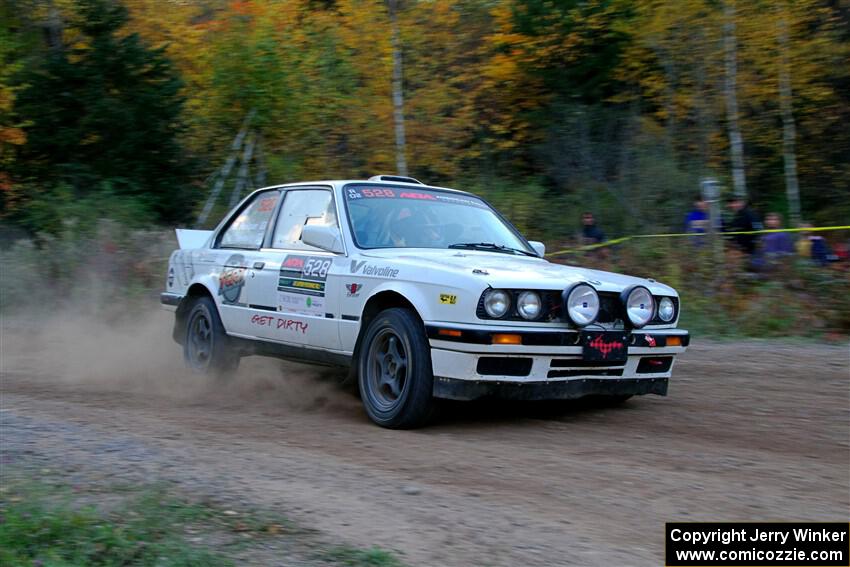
<point x="206" y="348"/>
<point x="395" y="376"/>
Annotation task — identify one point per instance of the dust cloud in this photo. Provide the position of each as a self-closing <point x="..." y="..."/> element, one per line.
<point x="136" y="354"/>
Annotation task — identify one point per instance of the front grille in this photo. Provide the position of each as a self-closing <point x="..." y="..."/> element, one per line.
<point x="572" y="367"/>
<point x="504" y="366"/>
<point x="580" y="363"/>
<point x="610" y="308"/>
<point x="551" y="306"/>
<point x="585" y="372"/>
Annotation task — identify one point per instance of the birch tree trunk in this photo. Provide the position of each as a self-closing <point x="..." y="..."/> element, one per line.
<point x="398" y="93"/>
<point x="789" y="131"/>
<point x="736" y="143"/>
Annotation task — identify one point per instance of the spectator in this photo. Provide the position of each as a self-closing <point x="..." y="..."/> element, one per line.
<point x="814" y="247"/>
<point x="590" y="233"/>
<point x="804" y="245"/>
<point x="776" y="243"/>
<point x="697" y="220"/>
<point x="821" y="252"/>
<point x="743" y="220"/>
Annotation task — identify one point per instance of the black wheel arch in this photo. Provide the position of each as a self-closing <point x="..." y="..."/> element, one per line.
<point x="181" y="315"/>
<point x="377" y="303"/>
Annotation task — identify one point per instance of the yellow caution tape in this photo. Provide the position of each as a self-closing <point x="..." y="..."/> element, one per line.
<point x="678" y="234"/>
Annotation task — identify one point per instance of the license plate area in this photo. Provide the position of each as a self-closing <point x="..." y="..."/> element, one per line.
<point x="605" y="346"/>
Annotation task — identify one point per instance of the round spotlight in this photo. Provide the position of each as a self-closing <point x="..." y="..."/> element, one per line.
<point x="581" y="303"/>
<point x="640" y="307"/>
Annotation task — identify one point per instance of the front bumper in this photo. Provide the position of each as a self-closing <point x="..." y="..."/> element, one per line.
<point x="453" y="389"/>
<point x="548" y="364"/>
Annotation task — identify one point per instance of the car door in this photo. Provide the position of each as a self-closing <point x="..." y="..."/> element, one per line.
<point x="298" y="298"/>
<point x="239" y="254"/>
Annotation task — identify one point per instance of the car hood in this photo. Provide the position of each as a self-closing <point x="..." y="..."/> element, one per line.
<point x="501" y="270"/>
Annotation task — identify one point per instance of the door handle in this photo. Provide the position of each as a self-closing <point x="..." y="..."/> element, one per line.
<point x="259" y="265"/>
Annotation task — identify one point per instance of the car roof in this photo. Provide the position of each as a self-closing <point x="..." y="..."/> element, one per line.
<point x="341" y="182"/>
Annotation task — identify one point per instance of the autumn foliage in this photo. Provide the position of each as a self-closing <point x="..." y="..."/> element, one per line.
<point x="614" y="105"/>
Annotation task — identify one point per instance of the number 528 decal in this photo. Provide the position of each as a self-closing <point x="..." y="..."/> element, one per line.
<point x="316" y="268"/>
<point x="307" y="267"/>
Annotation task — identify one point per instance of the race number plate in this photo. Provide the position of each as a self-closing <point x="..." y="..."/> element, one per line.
<point x="605" y="346"/>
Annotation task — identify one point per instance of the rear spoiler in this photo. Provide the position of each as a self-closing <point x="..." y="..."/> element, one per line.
<point x="188" y="239"/>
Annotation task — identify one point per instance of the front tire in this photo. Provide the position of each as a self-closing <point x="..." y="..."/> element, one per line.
<point x="206" y="348"/>
<point x="395" y="376"/>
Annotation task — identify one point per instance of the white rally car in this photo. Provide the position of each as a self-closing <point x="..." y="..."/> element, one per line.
<point x="423" y="292"/>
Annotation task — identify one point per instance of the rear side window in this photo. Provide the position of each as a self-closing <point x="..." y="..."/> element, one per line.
<point x="302" y="207"/>
<point x="249" y="228"/>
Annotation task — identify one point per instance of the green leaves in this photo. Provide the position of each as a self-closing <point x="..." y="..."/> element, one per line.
<point x="105" y="109"/>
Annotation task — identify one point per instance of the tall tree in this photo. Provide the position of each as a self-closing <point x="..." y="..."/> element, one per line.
<point x="736" y="142"/>
<point x="789" y="132"/>
<point x="398" y="91"/>
<point x="104" y="109"/>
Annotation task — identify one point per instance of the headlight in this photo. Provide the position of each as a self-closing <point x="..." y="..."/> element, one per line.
<point x="528" y="305"/>
<point x="497" y="303"/>
<point x="640" y="306"/>
<point x="666" y="309"/>
<point x="582" y="304"/>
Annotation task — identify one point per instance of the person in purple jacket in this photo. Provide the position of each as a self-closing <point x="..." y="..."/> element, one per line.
<point x="776" y="244"/>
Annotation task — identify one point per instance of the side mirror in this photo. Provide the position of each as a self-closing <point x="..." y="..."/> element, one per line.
<point x="538" y="247"/>
<point x="322" y="236"/>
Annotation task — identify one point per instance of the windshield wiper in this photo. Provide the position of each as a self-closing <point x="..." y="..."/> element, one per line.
<point x="490" y="246"/>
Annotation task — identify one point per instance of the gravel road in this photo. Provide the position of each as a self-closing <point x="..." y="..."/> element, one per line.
<point x="750" y="431"/>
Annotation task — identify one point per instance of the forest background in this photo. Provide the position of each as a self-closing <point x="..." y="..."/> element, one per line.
<point x="159" y="113"/>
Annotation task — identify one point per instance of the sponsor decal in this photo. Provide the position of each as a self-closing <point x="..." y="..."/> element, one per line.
<point x="448" y="299"/>
<point x="353" y="289"/>
<point x="170" y="277"/>
<point x="605" y="348"/>
<point x="267" y="204"/>
<point x="650" y="340"/>
<point x="280" y="323"/>
<point x="184" y="267"/>
<point x="362" y="267"/>
<point x="304" y="274"/>
<point x="300" y="304"/>
<point x="232" y="279"/>
<point x="364" y="192"/>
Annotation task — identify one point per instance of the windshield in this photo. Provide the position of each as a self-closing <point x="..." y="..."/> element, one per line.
<point x="412" y="217"/>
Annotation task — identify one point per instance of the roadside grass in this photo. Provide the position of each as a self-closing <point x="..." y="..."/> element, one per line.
<point x="44" y="527"/>
<point x="46" y="523"/>
<point x="353" y="557"/>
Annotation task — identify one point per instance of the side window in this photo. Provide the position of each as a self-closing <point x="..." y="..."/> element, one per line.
<point x="249" y="228"/>
<point x="301" y="207"/>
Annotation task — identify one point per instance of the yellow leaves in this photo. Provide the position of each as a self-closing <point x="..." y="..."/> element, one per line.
<point x="12" y="135"/>
<point x="502" y="68"/>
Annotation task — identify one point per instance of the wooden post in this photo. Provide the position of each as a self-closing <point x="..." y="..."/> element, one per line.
<point x="225" y="171"/>
<point x="242" y="174"/>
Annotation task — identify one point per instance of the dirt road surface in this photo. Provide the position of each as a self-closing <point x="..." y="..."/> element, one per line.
<point x="750" y="431"/>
